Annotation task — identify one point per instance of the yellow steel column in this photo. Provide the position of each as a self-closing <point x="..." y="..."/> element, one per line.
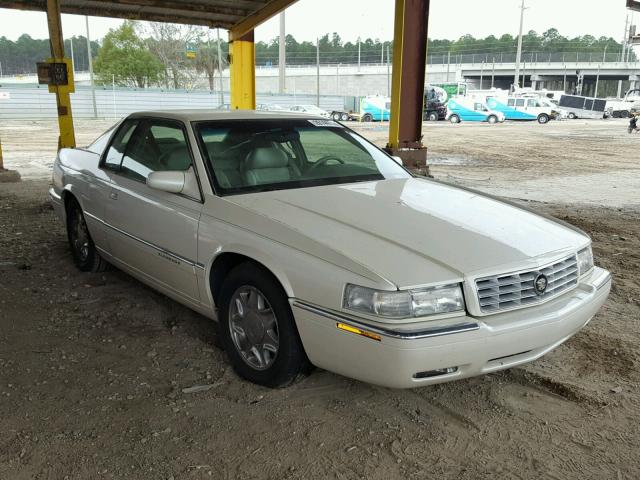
<point x="67" y="137"/>
<point x="407" y="92"/>
<point x="396" y="75"/>
<point x="243" y="72"/>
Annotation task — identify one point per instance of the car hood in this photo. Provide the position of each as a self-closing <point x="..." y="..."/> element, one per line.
<point x="415" y="232"/>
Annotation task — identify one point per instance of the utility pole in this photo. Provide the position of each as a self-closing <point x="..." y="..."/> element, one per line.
<point x="604" y="56"/>
<point x="90" y="57"/>
<point x="624" y="39"/>
<point x="448" y="64"/>
<point x="388" y="73"/>
<point x="481" y="74"/>
<point x="73" y="57"/>
<point x="282" y="62"/>
<point x="493" y="72"/>
<point x="358" y="54"/>
<point x="317" y="72"/>
<point x="516" y="78"/>
<point x="381" y="53"/>
<point x="221" y="93"/>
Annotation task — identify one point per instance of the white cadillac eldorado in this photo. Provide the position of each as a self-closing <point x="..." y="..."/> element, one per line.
<point x="308" y="246"/>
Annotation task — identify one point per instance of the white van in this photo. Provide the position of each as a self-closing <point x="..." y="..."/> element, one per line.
<point x="523" y="108"/>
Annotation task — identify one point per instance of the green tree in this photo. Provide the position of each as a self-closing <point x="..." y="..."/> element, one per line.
<point x="125" y="59"/>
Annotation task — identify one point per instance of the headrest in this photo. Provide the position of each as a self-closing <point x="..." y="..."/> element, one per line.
<point x="177" y="158"/>
<point x="266" y="157"/>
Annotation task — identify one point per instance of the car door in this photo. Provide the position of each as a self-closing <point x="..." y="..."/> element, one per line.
<point x="151" y="231"/>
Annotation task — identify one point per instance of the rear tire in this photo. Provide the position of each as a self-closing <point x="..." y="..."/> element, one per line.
<point x="85" y="254"/>
<point x="367" y="117"/>
<point x="543" y="118"/>
<point x="572" y="116"/>
<point x="492" y="119"/>
<point x="258" y="329"/>
<point x="454" y="119"/>
<point x="432" y="117"/>
<point x="344" y="117"/>
<point x="336" y="116"/>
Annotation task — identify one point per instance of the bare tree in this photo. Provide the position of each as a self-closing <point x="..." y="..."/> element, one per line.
<point x="169" y="42"/>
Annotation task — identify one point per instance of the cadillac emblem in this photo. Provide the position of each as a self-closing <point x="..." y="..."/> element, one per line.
<point x="540" y="284"/>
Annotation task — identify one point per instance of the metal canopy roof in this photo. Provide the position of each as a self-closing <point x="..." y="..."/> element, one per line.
<point x="239" y="16"/>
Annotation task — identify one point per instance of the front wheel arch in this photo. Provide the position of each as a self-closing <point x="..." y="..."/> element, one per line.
<point x="227" y="261"/>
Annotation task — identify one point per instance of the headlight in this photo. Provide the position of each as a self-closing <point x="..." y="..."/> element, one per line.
<point x="585" y="260"/>
<point x="404" y="304"/>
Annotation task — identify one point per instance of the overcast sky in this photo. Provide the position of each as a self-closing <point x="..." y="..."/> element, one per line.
<point x="374" y="18"/>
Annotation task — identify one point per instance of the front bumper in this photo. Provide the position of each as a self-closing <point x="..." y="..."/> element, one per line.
<point x="57" y="203"/>
<point x="473" y="347"/>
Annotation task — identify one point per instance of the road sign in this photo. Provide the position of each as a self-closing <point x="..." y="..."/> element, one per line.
<point x="191" y="50"/>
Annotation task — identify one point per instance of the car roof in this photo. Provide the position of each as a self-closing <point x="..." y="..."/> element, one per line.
<point x="204" y="115"/>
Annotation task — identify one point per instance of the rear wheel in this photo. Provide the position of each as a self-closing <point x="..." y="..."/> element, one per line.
<point x="85" y="254"/>
<point x="543" y="118"/>
<point x="336" y="116"/>
<point x="492" y="119"/>
<point x="344" y="117"/>
<point x="258" y="329"/>
<point x="432" y="117"/>
<point x="367" y="117"/>
<point x="454" y="119"/>
<point x="572" y="116"/>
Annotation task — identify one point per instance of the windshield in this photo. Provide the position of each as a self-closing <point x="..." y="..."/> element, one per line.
<point x="260" y="155"/>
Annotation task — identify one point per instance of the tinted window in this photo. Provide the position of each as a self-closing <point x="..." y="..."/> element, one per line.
<point x="158" y="145"/>
<point x="520" y="102"/>
<point x="116" y="150"/>
<point x="511" y="102"/>
<point x="248" y="156"/>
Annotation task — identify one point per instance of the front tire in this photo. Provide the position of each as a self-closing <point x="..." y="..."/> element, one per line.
<point x="85" y="254"/>
<point x="258" y="329"/>
<point x="492" y="119"/>
<point x="433" y="117"/>
<point x="454" y="119"/>
<point x="572" y="116"/>
<point x="367" y="117"/>
<point x="543" y="118"/>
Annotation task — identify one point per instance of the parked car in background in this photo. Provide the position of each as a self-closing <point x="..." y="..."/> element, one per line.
<point x="471" y="110"/>
<point x="310" y="109"/>
<point x="308" y="245"/>
<point x="270" y="107"/>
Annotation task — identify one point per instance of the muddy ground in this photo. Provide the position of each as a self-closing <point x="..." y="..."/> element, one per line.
<point x="93" y="366"/>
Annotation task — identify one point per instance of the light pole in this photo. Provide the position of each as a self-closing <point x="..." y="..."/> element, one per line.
<point x="221" y="93"/>
<point x="89" y="56"/>
<point x="281" y="56"/>
<point x="516" y="78"/>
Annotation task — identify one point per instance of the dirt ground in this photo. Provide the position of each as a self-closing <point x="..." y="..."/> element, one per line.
<point x="93" y="366"/>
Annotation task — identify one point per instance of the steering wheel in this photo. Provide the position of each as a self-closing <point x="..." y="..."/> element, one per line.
<point x="323" y="160"/>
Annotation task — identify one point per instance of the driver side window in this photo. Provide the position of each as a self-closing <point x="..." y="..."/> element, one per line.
<point x="156" y="146"/>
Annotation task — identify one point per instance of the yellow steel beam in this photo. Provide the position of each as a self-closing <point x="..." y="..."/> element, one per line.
<point x="396" y="75"/>
<point x="243" y="73"/>
<point x="252" y="21"/>
<point x="67" y="137"/>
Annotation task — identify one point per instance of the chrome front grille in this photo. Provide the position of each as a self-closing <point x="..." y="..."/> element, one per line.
<point x="517" y="290"/>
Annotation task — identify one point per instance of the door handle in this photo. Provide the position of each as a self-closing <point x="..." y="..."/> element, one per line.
<point x="113" y="196"/>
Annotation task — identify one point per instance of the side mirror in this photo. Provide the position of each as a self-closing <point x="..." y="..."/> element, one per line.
<point x="177" y="181"/>
<point x="398" y="160"/>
